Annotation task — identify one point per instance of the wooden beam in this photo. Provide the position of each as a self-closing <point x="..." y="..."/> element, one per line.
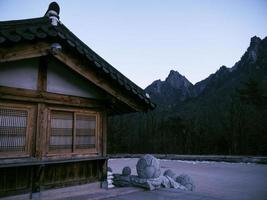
<point x="20" y="162"/>
<point x="24" y="51"/>
<point x="42" y="74"/>
<point x="9" y="93"/>
<point x="90" y="74"/>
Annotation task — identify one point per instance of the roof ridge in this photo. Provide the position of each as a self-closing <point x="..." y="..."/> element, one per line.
<point x="24" y="22"/>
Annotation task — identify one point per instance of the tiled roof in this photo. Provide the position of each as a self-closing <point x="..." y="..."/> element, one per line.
<point x="38" y="29"/>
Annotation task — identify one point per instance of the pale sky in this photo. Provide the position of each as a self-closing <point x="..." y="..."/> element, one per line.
<point x="145" y="39"/>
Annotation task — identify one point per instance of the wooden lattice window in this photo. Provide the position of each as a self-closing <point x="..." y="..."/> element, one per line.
<point x="15" y="130"/>
<point x="85" y="132"/>
<point x="73" y="132"/>
<point x="61" y="131"/>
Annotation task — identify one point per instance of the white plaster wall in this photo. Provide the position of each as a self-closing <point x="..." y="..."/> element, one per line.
<point x="19" y="74"/>
<point x="62" y="80"/>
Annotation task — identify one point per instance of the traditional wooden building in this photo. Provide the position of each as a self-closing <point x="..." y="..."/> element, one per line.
<point x="55" y="96"/>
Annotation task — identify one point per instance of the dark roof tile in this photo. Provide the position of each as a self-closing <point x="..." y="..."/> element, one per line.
<point x="127" y="86"/>
<point x="106" y="70"/>
<point x="120" y="81"/>
<point x="113" y="76"/>
<point x="97" y="64"/>
<point x="89" y="56"/>
<point x="80" y="50"/>
<point x="61" y="35"/>
<point x="25" y="33"/>
<point x="40" y="33"/>
<point x="134" y="90"/>
<point x="72" y="44"/>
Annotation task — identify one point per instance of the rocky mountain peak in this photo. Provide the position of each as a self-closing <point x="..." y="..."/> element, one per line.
<point x="174" y="89"/>
<point x="222" y="69"/>
<point x="176" y="80"/>
<point x="174" y="75"/>
<point x="156" y="86"/>
<point x="252" y="51"/>
<point x="254" y="41"/>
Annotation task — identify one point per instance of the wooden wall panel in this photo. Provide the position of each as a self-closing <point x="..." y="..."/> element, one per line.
<point x="19" y="74"/>
<point x="15" y="180"/>
<point x="59" y="175"/>
<point x="36" y="178"/>
<point x="62" y="80"/>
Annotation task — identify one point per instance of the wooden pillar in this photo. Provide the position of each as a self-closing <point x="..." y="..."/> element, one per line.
<point x="37" y="176"/>
<point x="41" y="125"/>
<point x="104" y="146"/>
<point x="104" y="134"/>
<point x="42" y="74"/>
<point x="41" y="131"/>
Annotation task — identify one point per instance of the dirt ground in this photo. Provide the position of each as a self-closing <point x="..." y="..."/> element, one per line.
<point x="229" y="181"/>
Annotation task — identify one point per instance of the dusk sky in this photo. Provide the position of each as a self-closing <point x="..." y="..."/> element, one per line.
<point x="145" y="39"/>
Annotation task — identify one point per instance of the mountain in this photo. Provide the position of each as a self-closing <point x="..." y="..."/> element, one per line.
<point x="226" y="113"/>
<point x="225" y="81"/>
<point x="206" y="84"/>
<point x="174" y="89"/>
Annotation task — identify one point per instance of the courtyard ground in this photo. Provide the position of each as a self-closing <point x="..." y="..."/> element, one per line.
<point x="228" y="181"/>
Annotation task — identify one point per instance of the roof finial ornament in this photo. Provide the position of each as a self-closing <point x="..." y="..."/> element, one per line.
<point x="53" y="13"/>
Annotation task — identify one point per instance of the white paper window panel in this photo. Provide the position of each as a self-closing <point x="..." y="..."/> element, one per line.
<point x="85" y="140"/>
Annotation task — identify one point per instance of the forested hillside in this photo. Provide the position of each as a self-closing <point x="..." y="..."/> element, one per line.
<point x="225" y="113"/>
